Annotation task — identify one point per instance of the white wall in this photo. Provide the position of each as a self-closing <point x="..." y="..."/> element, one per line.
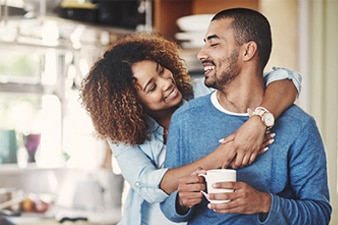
<point x="323" y="66"/>
<point x="305" y="39"/>
<point x="282" y="16"/>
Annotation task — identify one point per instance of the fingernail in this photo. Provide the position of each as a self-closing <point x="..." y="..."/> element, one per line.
<point x="221" y="140"/>
<point x="273" y="135"/>
<point x="266" y="148"/>
<point x="271" y="141"/>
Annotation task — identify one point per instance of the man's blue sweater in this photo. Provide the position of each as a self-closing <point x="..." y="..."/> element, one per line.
<point x="293" y="170"/>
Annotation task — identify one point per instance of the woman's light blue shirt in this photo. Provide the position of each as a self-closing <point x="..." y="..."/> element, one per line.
<point x="140" y="164"/>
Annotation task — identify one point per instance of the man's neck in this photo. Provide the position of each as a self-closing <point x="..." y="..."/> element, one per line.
<point x="241" y="94"/>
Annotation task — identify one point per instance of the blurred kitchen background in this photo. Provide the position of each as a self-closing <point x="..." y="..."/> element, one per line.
<point x="52" y="166"/>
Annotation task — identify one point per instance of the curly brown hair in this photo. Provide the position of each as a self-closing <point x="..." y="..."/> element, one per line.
<point x="108" y="93"/>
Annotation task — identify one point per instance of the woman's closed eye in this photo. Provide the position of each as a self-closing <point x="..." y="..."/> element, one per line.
<point x="151" y="88"/>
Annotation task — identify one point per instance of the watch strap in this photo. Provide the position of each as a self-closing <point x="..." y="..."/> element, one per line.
<point x="260" y="111"/>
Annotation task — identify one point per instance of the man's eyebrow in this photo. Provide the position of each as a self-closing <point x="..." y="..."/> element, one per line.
<point x="214" y="36"/>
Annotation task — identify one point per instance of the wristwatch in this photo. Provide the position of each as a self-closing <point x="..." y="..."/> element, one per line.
<point x="267" y="117"/>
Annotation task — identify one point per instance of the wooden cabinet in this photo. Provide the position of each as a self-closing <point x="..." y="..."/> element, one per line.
<point x="166" y="12"/>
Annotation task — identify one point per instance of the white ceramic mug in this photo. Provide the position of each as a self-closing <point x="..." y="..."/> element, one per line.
<point x="215" y="176"/>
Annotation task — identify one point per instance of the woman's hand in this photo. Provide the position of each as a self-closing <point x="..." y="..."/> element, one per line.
<point x="189" y="190"/>
<point x="250" y="140"/>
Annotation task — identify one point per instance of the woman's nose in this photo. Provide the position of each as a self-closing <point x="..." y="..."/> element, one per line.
<point x="166" y="83"/>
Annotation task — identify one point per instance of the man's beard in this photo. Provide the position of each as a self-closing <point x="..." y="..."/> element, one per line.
<point x="229" y="74"/>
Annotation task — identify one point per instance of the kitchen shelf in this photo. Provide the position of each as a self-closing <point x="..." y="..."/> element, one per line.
<point x="37" y="45"/>
<point x="22" y="88"/>
<point x="98" y="27"/>
<point x="166" y="12"/>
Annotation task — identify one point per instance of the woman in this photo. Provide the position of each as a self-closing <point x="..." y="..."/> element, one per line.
<point x="131" y="94"/>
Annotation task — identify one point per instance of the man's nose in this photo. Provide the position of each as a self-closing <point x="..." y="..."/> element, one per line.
<point x="201" y="54"/>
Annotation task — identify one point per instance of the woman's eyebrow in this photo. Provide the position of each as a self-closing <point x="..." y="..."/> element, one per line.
<point x="137" y="84"/>
<point x="158" y="67"/>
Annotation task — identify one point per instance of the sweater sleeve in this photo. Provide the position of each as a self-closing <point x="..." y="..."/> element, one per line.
<point x="169" y="210"/>
<point x="173" y="159"/>
<point x="278" y="73"/>
<point x="308" y="179"/>
<point x="139" y="171"/>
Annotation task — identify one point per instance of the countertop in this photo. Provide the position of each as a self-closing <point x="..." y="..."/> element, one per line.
<point x="45" y="219"/>
<point x="37" y="221"/>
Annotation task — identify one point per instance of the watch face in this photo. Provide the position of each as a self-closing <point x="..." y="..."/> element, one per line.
<point x="269" y="120"/>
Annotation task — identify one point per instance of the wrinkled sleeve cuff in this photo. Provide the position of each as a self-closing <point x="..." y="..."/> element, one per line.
<point x="270" y="218"/>
<point x="280" y="73"/>
<point x="150" y="189"/>
<point x="168" y="208"/>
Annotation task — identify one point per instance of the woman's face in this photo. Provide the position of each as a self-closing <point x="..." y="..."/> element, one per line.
<point x="155" y="86"/>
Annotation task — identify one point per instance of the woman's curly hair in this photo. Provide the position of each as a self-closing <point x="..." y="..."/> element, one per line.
<point x="108" y="92"/>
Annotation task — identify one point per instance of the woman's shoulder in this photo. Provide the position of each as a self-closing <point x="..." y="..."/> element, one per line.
<point x="199" y="87"/>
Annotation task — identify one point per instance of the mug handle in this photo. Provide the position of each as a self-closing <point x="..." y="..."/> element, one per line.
<point x="203" y="192"/>
<point x="202" y="175"/>
<point x="205" y="195"/>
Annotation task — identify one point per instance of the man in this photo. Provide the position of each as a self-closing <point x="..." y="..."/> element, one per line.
<point x="285" y="185"/>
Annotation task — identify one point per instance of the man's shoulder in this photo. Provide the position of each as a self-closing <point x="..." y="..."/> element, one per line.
<point x="295" y="110"/>
<point x="296" y="114"/>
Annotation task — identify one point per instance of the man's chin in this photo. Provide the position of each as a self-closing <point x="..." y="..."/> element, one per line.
<point x="207" y="82"/>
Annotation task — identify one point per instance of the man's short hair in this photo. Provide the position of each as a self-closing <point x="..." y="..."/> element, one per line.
<point x="250" y="25"/>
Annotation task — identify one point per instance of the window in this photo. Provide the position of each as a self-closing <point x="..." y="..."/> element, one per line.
<point x="39" y="95"/>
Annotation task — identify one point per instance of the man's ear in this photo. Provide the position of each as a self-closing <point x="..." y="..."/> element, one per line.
<point x="249" y="50"/>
